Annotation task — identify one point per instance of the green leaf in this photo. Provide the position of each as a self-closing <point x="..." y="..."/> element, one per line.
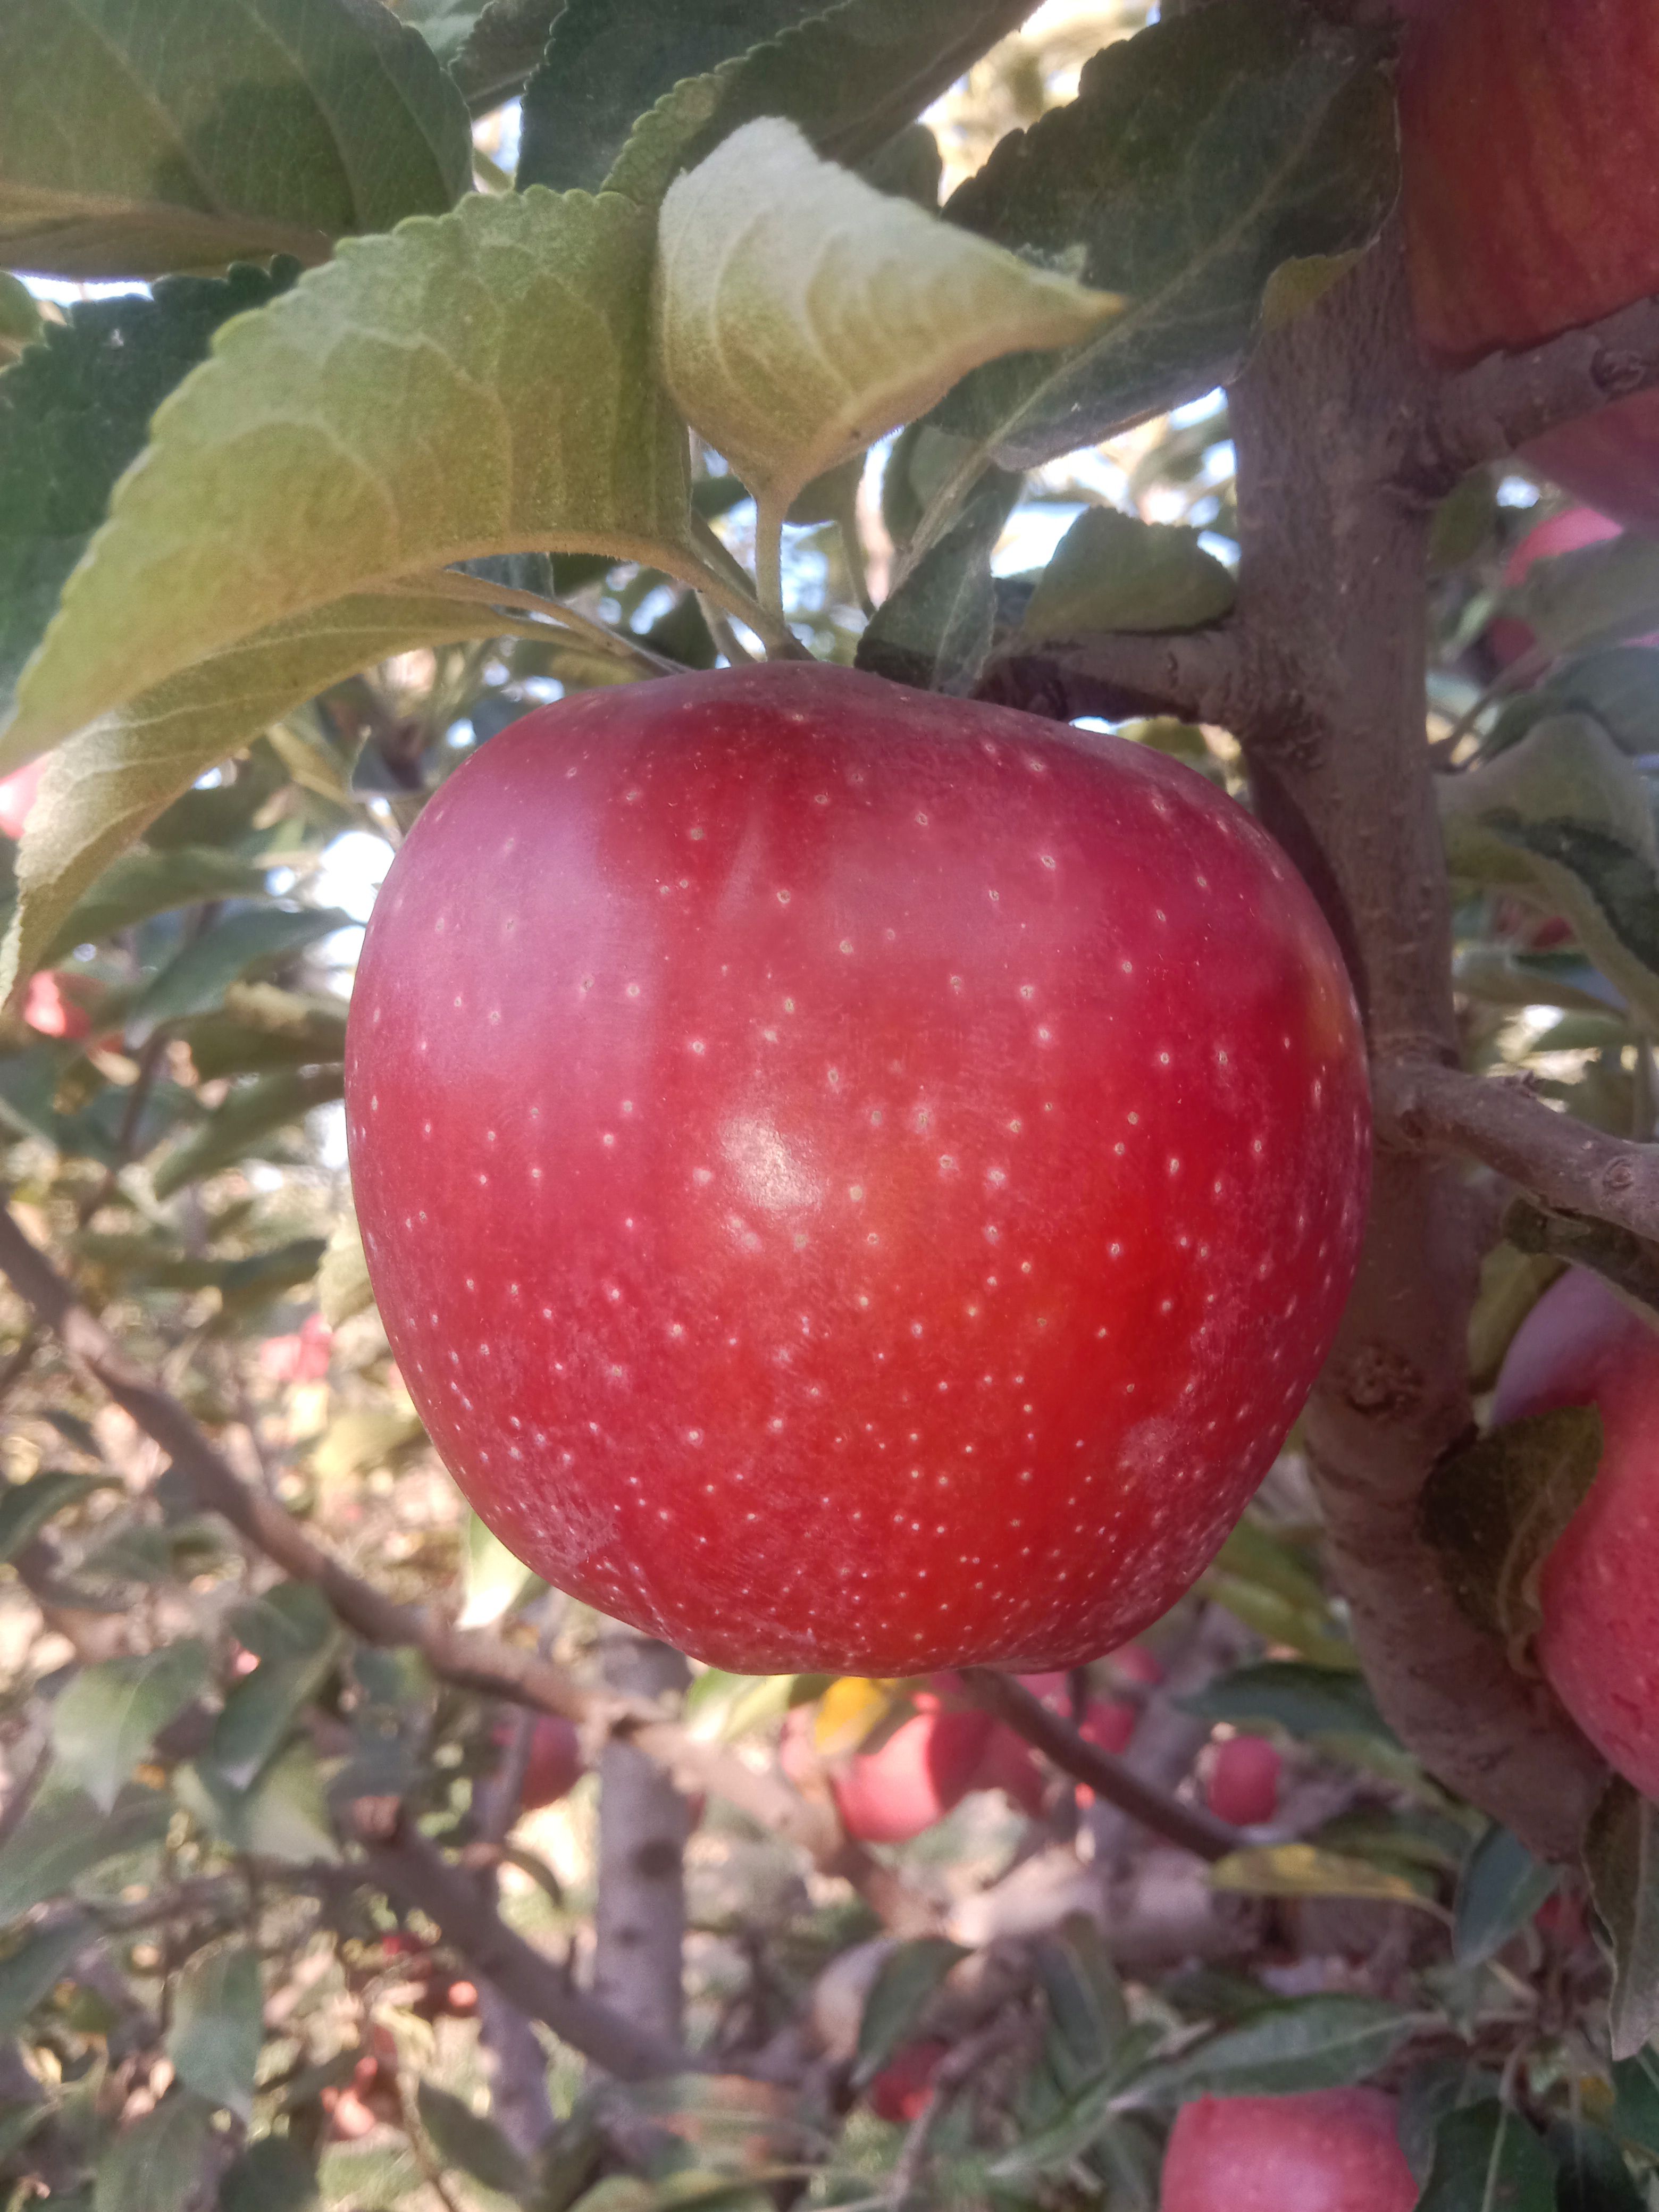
<point x="607" y="61"/>
<point x="75" y="411"/>
<point x="218" y="2026"/>
<point x="488" y="389"/>
<point x="727" y="1707"/>
<point x="1618" y="686"/>
<point x="249" y="1118"/>
<point x="1565" y="817"/>
<point x="1487" y="2158"/>
<point x="37" y="1965"/>
<point x="1314" y="2043"/>
<point x="1595" y="596"/>
<point x="498" y="54"/>
<point x="852" y="76"/>
<point x="1197" y="159"/>
<point x="196" y="979"/>
<point x="934" y="629"/>
<point x="343" y="1285"/>
<point x="1087" y="2010"/>
<point x="140" y="886"/>
<point x="297" y="1645"/>
<point x="909" y="1975"/>
<point x="1112" y="571"/>
<point x="1493" y="1512"/>
<point x="272" y="2175"/>
<point x="1636" y="2100"/>
<point x="1590" y="2172"/>
<point x="496" y="1583"/>
<point x="1308" y="1702"/>
<point x="1621" y="1856"/>
<point x="1500" y="1887"/>
<point x="472" y="2145"/>
<point x="106" y="1719"/>
<point x="155" y="2164"/>
<point x="803" y="314"/>
<point x="284" y="1816"/>
<point x="27" y="1507"/>
<point x="1306" y="1870"/>
<point x="63" y="1836"/>
<point x="207" y="130"/>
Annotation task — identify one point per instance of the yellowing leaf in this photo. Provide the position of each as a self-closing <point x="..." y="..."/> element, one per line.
<point x="847" y="1711"/>
<point x="804" y="314"/>
<point x="1304" y="1870"/>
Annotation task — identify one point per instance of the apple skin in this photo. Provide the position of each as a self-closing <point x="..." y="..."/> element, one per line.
<point x="556" y="1763"/>
<point x="923" y="1770"/>
<point x="1529" y="142"/>
<point x="854" y="1180"/>
<point x="1321" y="2150"/>
<point x="1582" y="1346"/>
<point x="1243" y="1785"/>
<point x="904" y="2086"/>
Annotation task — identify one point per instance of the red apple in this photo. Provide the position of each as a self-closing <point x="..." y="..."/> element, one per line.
<point x="1322" y="2150"/>
<point x="556" y="1763"/>
<point x="17" y="795"/>
<point x="51" y="1011"/>
<point x="1599" y="1647"/>
<point x="1530" y="134"/>
<point x="854" y="1180"/>
<point x="1010" y="1765"/>
<point x="904" y="2084"/>
<point x="923" y="1770"/>
<point x="1243" y="1785"/>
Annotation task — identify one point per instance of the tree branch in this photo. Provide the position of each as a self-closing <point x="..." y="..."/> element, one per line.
<point x="1422" y="1106"/>
<point x="411" y="1869"/>
<point x="1201" y="676"/>
<point x="1333" y="547"/>
<point x="1501" y="403"/>
<point x="468" y="1658"/>
<point x="1109" y="1778"/>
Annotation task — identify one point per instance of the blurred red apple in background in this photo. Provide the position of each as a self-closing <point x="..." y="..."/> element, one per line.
<point x="899" y="2092"/>
<point x="555" y="1765"/>
<point x="1242" y="1788"/>
<point x="854" y="1180"/>
<point x="1529" y="135"/>
<point x="50" y="1009"/>
<point x="300" y="1357"/>
<point x="1322" y="2150"/>
<point x="1599" y="1647"/>
<point x="17" y="795"/>
<point x="923" y="1770"/>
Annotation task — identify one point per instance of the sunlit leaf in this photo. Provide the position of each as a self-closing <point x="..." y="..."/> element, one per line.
<point x="198" y="977"/>
<point x="201" y="130"/>
<point x="250" y="1117"/>
<point x="1112" y="571"/>
<point x="803" y="314"/>
<point x="1305" y="1870"/>
<point x="470" y="2144"/>
<point x="63" y="1836"/>
<point x="496" y="1582"/>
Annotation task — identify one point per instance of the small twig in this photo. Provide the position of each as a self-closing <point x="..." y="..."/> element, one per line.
<point x="1421" y="1107"/>
<point x="1505" y="401"/>
<point x="1109" y="1778"/>
<point x="1200" y="676"/>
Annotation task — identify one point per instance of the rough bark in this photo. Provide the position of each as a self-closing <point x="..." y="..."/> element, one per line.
<point x="639" y="1923"/>
<point x="1332" y="585"/>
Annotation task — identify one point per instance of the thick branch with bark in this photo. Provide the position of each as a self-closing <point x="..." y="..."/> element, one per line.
<point x="468" y="1658"/>
<point x="1332" y="582"/>
<point x="1423" y="1107"/>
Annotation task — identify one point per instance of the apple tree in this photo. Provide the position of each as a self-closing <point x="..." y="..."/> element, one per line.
<point x="917" y="1467"/>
